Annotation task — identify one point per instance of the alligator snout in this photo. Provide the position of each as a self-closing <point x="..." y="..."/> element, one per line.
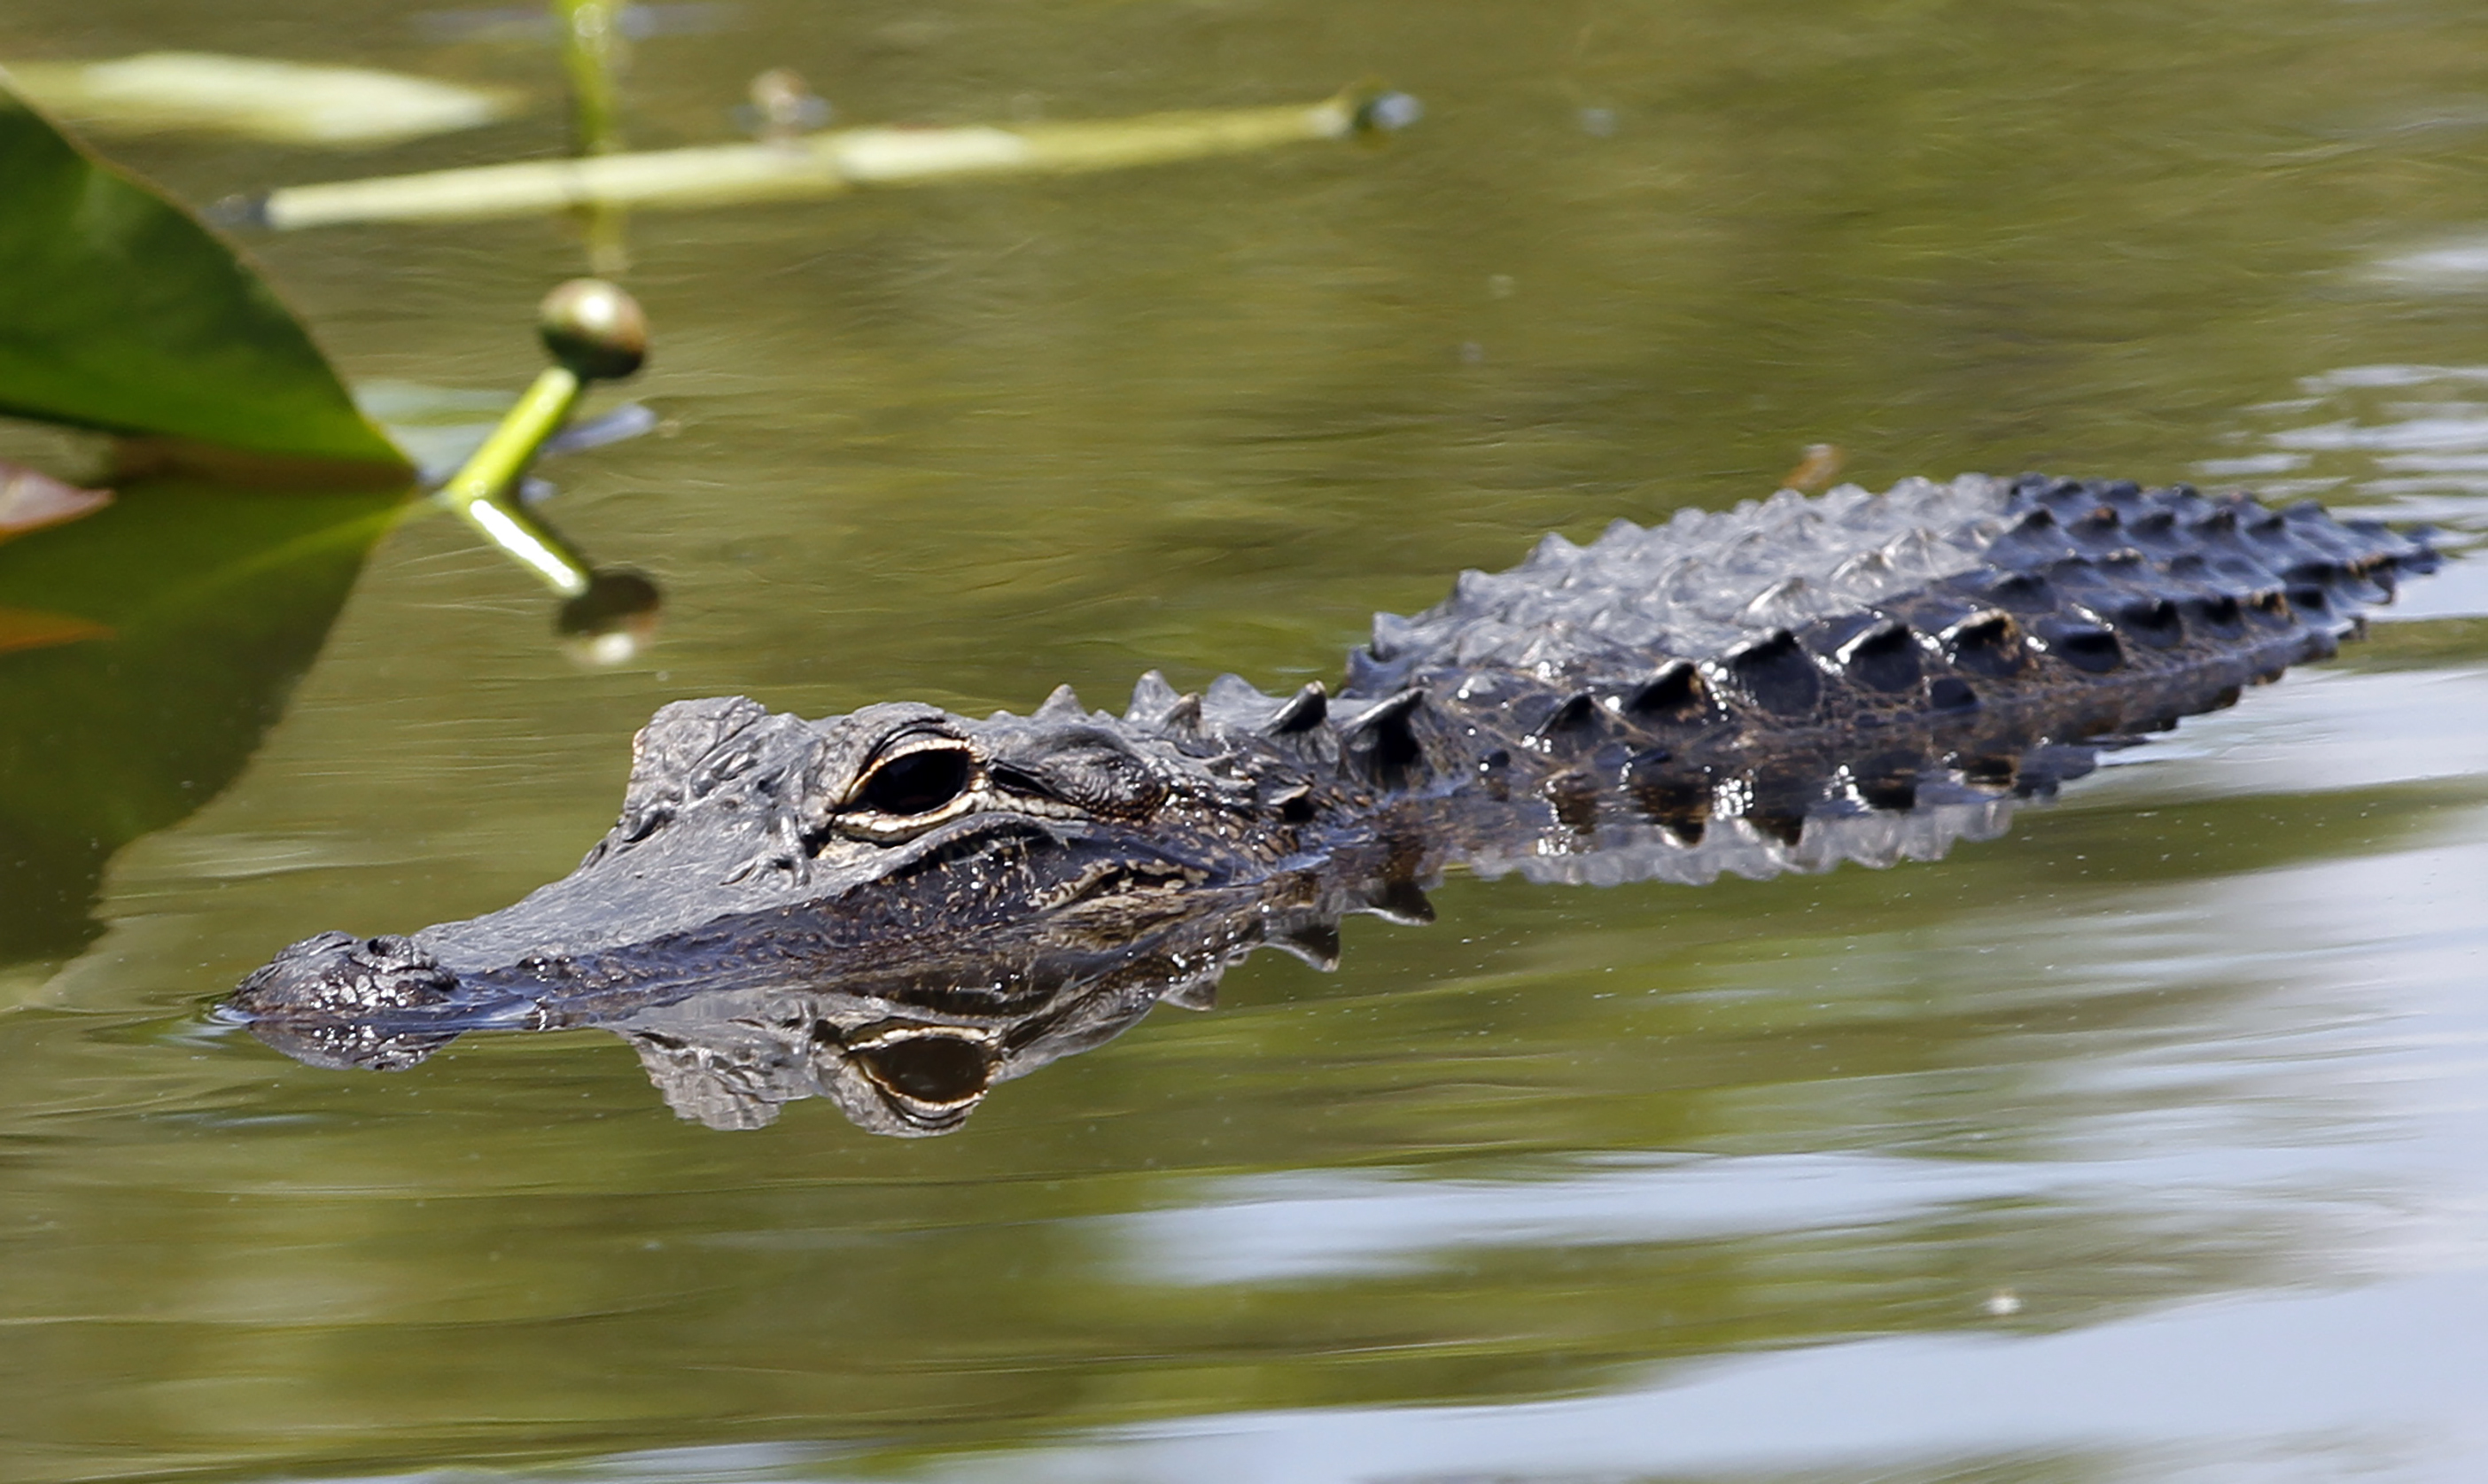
<point x="337" y="973"/>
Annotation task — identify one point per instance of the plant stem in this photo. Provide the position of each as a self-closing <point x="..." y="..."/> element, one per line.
<point x="476" y="492"/>
<point x="592" y="53"/>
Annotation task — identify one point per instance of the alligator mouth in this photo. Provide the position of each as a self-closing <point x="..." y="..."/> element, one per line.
<point x="337" y="973"/>
<point x="974" y="838"/>
<point x="962" y="839"/>
<point x="337" y="1000"/>
<point x="333" y="978"/>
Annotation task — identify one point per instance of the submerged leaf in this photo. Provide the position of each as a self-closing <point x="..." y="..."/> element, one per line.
<point x="150" y="646"/>
<point x="120" y="312"/>
<point x="31" y="500"/>
<point x="287" y="102"/>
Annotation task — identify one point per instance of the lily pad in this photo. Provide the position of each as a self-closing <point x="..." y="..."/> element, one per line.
<point x="119" y="311"/>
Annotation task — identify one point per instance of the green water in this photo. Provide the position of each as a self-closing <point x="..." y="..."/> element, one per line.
<point x="2146" y="1143"/>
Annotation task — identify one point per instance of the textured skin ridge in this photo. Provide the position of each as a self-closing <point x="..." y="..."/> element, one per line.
<point x="1699" y="583"/>
<point x="1704" y="582"/>
<point x="1798" y="682"/>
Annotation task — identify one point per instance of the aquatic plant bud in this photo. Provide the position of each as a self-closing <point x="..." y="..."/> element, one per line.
<point x="594" y="329"/>
<point x="1388" y="113"/>
<point x="1815" y="472"/>
<point x="782" y="106"/>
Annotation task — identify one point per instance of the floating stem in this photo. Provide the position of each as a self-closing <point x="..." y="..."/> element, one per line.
<point x="824" y="164"/>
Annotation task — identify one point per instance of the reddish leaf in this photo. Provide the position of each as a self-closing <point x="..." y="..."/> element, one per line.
<point x="30" y="500"/>
<point x="34" y="629"/>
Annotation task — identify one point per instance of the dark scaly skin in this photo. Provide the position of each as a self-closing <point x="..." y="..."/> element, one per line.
<point x="898" y="907"/>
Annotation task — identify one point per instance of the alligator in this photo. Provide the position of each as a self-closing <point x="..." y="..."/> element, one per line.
<point x="899" y="908"/>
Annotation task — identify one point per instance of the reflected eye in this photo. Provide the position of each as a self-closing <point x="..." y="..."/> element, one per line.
<point x="918" y="782"/>
<point x="929" y="1079"/>
<point x="935" y="1070"/>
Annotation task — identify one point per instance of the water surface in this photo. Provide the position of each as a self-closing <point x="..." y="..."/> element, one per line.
<point x="2144" y="1143"/>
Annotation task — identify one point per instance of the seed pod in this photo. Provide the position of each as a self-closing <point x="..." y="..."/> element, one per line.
<point x="594" y="329"/>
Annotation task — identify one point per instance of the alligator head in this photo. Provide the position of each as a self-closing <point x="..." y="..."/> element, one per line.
<point x="752" y="847"/>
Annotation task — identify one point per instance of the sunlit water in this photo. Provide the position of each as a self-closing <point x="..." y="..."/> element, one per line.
<point x="2149" y="1143"/>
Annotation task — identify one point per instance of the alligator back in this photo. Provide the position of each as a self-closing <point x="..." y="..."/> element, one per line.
<point x="1801" y="681"/>
<point x="2106" y="576"/>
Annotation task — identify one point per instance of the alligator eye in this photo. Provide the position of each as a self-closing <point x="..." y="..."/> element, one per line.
<point x="918" y="782"/>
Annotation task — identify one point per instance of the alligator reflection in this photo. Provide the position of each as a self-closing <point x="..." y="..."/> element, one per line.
<point x="914" y="1050"/>
<point x="909" y="1044"/>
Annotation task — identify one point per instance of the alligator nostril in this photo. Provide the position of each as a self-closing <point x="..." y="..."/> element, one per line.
<point x="338" y="974"/>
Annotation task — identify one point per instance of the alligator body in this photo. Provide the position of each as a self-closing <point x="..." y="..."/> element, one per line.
<point x="898" y="907"/>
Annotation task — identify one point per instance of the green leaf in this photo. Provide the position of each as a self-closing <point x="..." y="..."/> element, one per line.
<point x="119" y="311"/>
